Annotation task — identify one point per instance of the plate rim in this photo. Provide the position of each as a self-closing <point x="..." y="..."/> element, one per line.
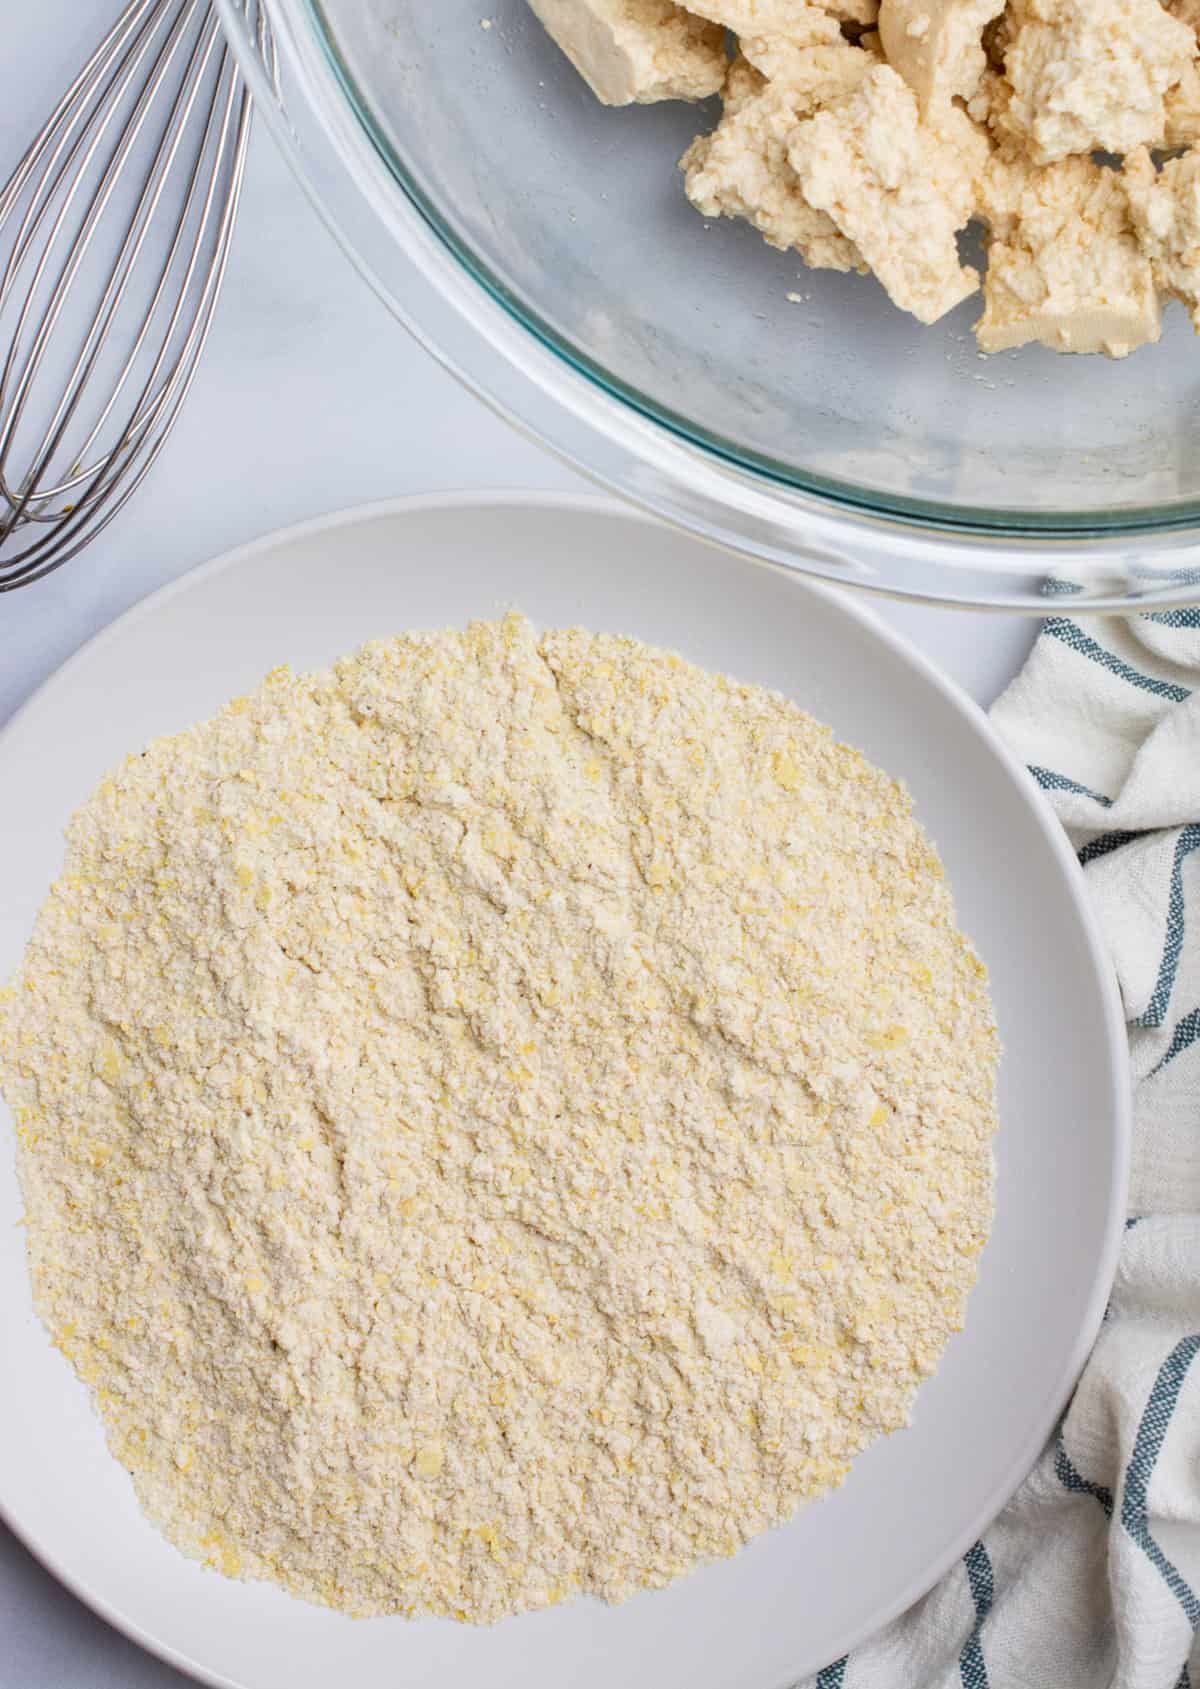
<point x="843" y="602"/>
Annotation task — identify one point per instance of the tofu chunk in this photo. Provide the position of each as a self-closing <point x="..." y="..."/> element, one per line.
<point x="774" y="33"/>
<point x="1064" y="265"/>
<point x="1166" y="216"/>
<point x="742" y="169"/>
<point x="897" y="187"/>
<point x="1092" y="75"/>
<point x="988" y="105"/>
<point x="937" y="45"/>
<point x="795" y="20"/>
<point x="821" y="69"/>
<point x="855" y="14"/>
<point x="771" y="33"/>
<point x="801" y="19"/>
<point x="637" y="51"/>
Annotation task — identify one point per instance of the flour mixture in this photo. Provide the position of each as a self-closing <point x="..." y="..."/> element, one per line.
<point x="504" y="1118"/>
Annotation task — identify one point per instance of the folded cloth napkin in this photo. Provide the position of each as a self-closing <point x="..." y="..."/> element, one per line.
<point x="1090" y="1578"/>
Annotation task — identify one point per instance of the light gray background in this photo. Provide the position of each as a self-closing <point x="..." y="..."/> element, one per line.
<point x="311" y="398"/>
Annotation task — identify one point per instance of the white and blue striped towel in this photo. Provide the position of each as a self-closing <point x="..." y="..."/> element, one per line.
<point x="1090" y="1578"/>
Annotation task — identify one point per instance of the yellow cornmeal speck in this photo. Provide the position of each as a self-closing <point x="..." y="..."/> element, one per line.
<point x="429" y="1461"/>
<point x="570" y="1157"/>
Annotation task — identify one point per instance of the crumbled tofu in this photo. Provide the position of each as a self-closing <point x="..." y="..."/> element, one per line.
<point x="1187" y="11"/>
<point x="775" y="35"/>
<point x="855" y="14"/>
<point x="996" y="39"/>
<point x="896" y="186"/>
<point x="988" y="105"/>
<point x="742" y="85"/>
<point x="1092" y="75"/>
<point x="637" y="51"/>
<point x="1166" y="215"/>
<point x="785" y="17"/>
<point x="1064" y="265"/>
<point x="818" y="70"/>
<point x="937" y="45"/>
<point x="1182" y="105"/>
<point x="742" y="169"/>
<point x="801" y="20"/>
<point x="869" y="148"/>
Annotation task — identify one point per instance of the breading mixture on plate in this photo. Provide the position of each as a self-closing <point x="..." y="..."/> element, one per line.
<point x="503" y="1118"/>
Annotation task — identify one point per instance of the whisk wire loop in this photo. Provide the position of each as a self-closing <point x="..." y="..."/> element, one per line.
<point x="115" y="231"/>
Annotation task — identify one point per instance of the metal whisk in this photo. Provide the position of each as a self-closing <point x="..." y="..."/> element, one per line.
<point x="114" y="235"/>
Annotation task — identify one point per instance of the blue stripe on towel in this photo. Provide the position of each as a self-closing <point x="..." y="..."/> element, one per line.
<point x="1176" y="618"/>
<point x="1073" y="1480"/>
<point x="1160" y="1002"/>
<point x="1104" y="846"/>
<point x="1072" y="635"/>
<point x="1184" y="1036"/>
<point x="1049" y="781"/>
<point x="1156" y="1418"/>
<point x="971" y="1665"/>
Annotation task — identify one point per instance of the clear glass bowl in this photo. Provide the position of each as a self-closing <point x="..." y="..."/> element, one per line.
<point x="542" y="247"/>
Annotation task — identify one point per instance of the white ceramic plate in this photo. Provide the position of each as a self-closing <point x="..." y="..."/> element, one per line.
<point x="801" y="1595"/>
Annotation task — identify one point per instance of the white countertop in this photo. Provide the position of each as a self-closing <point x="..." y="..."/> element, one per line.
<point x="310" y="399"/>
